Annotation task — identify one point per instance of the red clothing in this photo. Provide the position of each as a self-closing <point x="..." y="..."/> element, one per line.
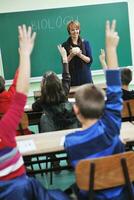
<point x="11" y="163"/>
<point x="6" y="99"/>
<point x="6" y="95"/>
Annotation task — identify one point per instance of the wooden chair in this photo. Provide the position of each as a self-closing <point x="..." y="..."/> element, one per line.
<point x="106" y="172"/>
<point x="128" y="110"/>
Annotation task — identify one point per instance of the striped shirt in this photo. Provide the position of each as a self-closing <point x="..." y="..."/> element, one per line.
<point x="11" y="162"/>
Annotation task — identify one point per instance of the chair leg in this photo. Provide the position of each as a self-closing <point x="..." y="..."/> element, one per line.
<point x="127" y="179"/>
<point x="91" y="182"/>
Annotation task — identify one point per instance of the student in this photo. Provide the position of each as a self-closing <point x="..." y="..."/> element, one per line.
<point x="126" y="78"/>
<point x="14" y="183"/>
<point x="101" y="121"/>
<point x="79" y="55"/>
<point x="6" y="95"/>
<point x="58" y="111"/>
<point x="6" y="98"/>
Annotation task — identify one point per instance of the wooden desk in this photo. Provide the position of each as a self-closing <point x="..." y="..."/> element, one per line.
<point x="51" y="141"/>
<point x="46" y="142"/>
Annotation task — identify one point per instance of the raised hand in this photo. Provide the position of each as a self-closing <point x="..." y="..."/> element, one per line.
<point x="26" y="39"/>
<point x="102" y="58"/>
<point x="26" y="44"/>
<point x="63" y="53"/>
<point x="112" y="40"/>
<point x="112" y="37"/>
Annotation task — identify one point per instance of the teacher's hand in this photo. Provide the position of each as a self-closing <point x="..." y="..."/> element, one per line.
<point x="75" y="51"/>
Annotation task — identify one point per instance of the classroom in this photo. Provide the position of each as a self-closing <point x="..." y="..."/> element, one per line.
<point x="97" y="74"/>
<point x="49" y="19"/>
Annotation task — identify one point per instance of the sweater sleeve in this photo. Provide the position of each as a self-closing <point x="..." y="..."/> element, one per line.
<point x="12" y="88"/>
<point x="11" y="119"/>
<point x="112" y="112"/>
<point x="66" y="79"/>
<point x="88" y="51"/>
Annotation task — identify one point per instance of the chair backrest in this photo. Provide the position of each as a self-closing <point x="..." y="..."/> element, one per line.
<point x="128" y="110"/>
<point x="108" y="171"/>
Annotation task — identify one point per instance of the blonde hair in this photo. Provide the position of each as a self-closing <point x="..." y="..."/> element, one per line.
<point x="73" y="23"/>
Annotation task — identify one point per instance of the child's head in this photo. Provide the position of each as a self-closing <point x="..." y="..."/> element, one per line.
<point x="2" y="84"/>
<point x="126" y="76"/>
<point x="89" y="101"/>
<point x="51" y="89"/>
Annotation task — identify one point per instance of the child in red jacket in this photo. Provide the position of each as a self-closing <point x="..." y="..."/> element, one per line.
<point x="6" y="97"/>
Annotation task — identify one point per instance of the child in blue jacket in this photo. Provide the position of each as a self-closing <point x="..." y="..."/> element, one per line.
<point x="101" y="121"/>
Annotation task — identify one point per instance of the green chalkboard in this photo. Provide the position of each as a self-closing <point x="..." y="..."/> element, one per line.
<point x="50" y="25"/>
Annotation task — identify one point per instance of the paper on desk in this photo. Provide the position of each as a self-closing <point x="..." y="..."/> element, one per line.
<point x="26" y="145"/>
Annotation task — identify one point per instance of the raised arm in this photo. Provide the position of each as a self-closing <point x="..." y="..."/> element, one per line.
<point x="66" y="79"/>
<point x="112" y="40"/>
<point x="11" y="119"/>
<point x="102" y="58"/>
<point x="113" y="106"/>
<point x="26" y="43"/>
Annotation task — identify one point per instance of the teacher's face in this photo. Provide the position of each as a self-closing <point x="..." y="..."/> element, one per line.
<point x="74" y="31"/>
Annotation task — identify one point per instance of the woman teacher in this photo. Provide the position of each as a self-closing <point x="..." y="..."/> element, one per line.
<point x="79" y="55"/>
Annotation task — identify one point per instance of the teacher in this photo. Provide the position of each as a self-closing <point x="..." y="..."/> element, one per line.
<point x="79" y="55"/>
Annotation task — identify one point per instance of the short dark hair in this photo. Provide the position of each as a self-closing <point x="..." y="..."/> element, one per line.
<point x="90" y="101"/>
<point x="2" y="84"/>
<point x="52" y="91"/>
<point x="126" y="76"/>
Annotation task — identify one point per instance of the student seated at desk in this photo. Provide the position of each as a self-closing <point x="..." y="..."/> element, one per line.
<point x="6" y="97"/>
<point x="126" y="78"/>
<point x="58" y="111"/>
<point x="14" y="183"/>
<point x="101" y="121"/>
